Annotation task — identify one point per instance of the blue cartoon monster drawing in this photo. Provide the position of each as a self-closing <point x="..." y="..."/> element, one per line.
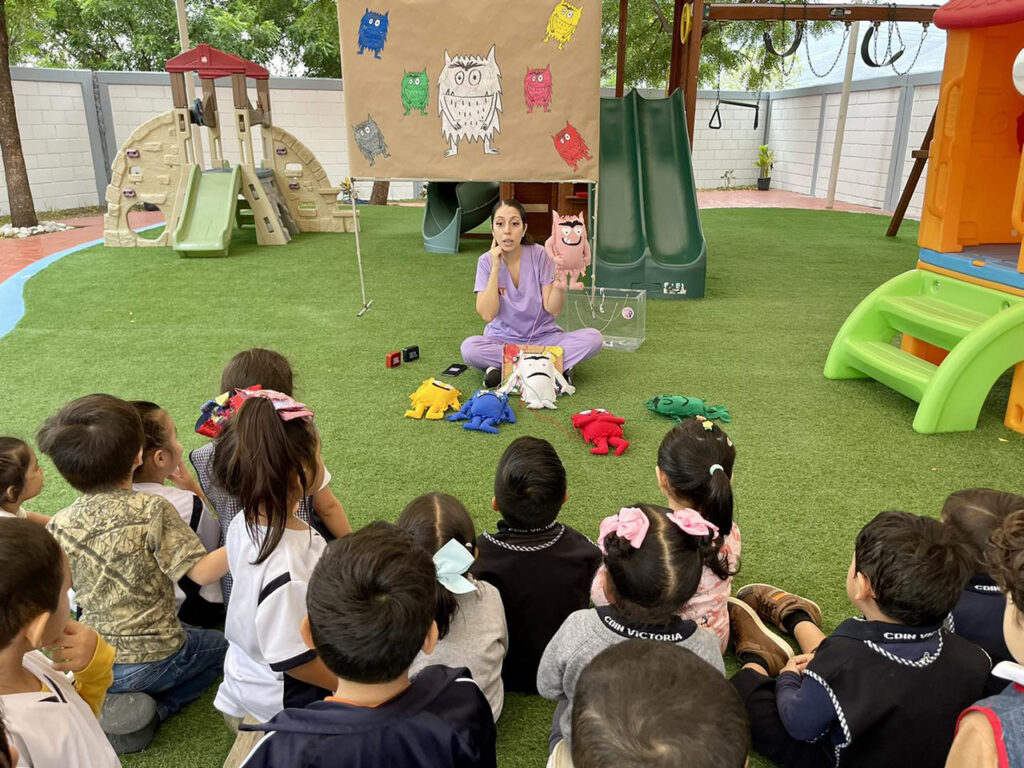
<point x="373" y="32"/>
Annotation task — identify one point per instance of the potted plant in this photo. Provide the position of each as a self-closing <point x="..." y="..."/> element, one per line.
<point x="765" y="161"/>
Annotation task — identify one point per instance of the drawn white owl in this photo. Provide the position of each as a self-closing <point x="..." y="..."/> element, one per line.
<point x="469" y="100"/>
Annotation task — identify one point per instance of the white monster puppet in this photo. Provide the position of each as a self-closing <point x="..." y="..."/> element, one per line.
<point x="536" y="377"/>
<point x="469" y="100"/>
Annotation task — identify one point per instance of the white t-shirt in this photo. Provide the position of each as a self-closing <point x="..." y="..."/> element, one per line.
<point x="54" y="727"/>
<point x="268" y="603"/>
<point x="197" y="516"/>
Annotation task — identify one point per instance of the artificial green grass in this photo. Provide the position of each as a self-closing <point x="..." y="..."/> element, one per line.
<point x="816" y="458"/>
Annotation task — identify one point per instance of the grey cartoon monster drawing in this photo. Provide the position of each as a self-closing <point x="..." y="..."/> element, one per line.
<point x="370" y="140"/>
<point x="469" y="100"/>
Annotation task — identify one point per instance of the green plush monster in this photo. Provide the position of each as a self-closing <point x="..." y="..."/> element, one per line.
<point x="678" y="408"/>
<point x="415" y="91"/>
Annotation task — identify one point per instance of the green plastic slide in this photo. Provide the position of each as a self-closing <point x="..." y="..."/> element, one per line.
<point x="983" y="330"/>
<point x="649" y="233"/>
<point x="208" y="212"/>
<point x="453" y="208"/>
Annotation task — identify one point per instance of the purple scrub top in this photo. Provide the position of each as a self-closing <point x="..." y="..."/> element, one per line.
<point x="521" y="314"/>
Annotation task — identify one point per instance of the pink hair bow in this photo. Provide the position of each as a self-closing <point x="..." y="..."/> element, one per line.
<point x="287" y="408"/>
<point x="630" y="524"/>
<point x="690" y="521"/>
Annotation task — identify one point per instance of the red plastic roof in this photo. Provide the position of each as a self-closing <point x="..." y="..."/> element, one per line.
<point x="971" y="14"/>
<point x="212" y="63"/>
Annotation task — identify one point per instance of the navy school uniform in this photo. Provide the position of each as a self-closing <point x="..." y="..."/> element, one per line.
<point x="441" y="721"/>
<point x="978" y="617"/>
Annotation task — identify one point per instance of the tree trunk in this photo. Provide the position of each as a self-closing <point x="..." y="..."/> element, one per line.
<point x="19" y="195"/>
<point x="379" y="195"/>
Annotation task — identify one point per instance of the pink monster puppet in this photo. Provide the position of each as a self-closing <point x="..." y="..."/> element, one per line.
<point x="571" y="146"/>
<point x="568" y="248"/>
<point x="537" y="88"/>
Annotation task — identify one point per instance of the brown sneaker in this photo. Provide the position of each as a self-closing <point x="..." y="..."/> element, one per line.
<point x="750" y="635"/>
<point x="774" y="605"/>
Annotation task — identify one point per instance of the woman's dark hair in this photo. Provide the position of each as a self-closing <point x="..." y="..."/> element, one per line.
<point x="434" y="519"/>
<point x="651" y="583"/>
<point x="155" y="432"/>
<point x="258" y="459"/>
<point x="975" y="513"/>
<point x="15" y="459"/>
<point x="31" y="575"/>
<point x="513" y="203"/>
<point x="269" y="369"/>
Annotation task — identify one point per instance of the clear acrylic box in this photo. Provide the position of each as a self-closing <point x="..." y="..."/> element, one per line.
<point x="620" y="314"/>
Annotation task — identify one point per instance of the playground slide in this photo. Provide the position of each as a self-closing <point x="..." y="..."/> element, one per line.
<point x="453" y="208"/>
<point x="649" y="233"/>
<point x="208" y="212"/>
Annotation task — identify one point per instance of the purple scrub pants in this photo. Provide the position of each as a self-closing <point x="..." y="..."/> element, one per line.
<point x="485" y="351"/>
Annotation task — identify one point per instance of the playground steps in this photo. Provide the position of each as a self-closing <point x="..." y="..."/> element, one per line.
<point x="956" y="340"/>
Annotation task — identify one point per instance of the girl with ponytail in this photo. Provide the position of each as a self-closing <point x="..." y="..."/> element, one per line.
<point x="268" y="457"/>
<point x="694" y="471"/>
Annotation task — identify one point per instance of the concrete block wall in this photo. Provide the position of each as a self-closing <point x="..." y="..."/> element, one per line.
<point x="731" y="147"/>
<point x="925" y="101"/>
<point x="55" y="141"/>
<point x="793" y="136"/>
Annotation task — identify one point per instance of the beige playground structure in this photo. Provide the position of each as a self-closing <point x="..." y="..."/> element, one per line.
<point x="288" y="193"/>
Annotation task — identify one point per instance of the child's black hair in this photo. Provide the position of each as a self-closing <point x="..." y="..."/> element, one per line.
<point x="628" y="711"/>
<point x="529" y="484"/>
<point x="5" y="745"/>
<point x="916" y="565"/>
<point x="1005" y="559"/>
<point x="434" y="519"/>
<point x="687" y="455"/>
<point x="371" y="603"/>
<point x="269" y="369"/>
<point x="651" y="583"/>
<point x="513" y="203"/>
<point x="154" y="430"/>
<point x="31" y="575"/>
<point x="93" y="441"/>
<point x="15" y="462"/>
<point x="975" y="513"/>
<point x="259" y="459"/>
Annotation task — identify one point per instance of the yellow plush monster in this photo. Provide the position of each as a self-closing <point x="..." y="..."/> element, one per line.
<point x="435" y="397"/>
<point x="563" y="22"/>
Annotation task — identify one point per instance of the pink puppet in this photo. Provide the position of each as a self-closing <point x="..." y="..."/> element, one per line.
<point x="568" y="248"/>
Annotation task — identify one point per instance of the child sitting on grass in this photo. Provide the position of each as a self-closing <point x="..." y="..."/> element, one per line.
<point x="883" y="692"/>
<point x="321" y="509"/>
<point x="541" y="567"/>
<point x="21" y="479"/>
<point x="694" y="471"/>
<point x="371" y="608"/>
<point x="643" y="704"/>
<point x="127" y="550"/>
<point x="974" y="514"/>
<point x="989" y="733"/>
<point x="470" y="617"/>
<point x="51" y="720"/>
<point x="654" y="558"/>
<point x="162" y="461"/>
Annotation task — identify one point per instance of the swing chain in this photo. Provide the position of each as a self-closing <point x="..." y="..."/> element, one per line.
<point x="835" y="61"/>
<point x="920" y="46"/>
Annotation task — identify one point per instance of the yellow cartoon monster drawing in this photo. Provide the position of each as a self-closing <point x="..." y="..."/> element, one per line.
<point x="435" y="397"/>
<point x="563" y="22"/>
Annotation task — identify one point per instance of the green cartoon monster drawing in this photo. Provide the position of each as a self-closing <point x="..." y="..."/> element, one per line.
<point x="415" y="91"/>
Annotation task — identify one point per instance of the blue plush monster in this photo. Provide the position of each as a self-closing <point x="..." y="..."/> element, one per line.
<point x="485" y="410"/>
<point x="373" y="32"/>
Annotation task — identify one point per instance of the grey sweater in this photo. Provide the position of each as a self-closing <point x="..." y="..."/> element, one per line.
<point x="586" y="633"/>
<point x="478" y="639"/>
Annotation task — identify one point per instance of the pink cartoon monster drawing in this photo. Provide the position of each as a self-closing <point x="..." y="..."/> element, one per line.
<point x="537" y="89"/>
<point x="571" y="146"/>
<point x="568" y="248"/>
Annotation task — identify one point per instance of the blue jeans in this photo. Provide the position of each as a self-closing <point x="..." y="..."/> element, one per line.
<point x="180" y="678"/>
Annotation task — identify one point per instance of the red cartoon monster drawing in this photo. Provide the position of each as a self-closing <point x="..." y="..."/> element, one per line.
<point x="571" y="146"/>
<point x="537" y="89"/>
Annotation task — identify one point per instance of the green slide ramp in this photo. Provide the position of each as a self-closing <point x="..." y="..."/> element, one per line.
<point x="208" y="212"/>
<point x="983" y="330"/>
<point x="453" y="208"/>
<point x="648" y="231"/>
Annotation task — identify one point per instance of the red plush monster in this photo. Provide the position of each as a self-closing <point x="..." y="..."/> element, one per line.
<point x="601" y="428"/>
<point x="571" y="146"/>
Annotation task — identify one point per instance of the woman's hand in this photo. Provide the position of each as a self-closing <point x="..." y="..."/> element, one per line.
<point x="495" y="255"/>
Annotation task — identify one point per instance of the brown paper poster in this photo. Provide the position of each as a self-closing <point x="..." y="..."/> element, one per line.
<point x="472" y="90"/>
